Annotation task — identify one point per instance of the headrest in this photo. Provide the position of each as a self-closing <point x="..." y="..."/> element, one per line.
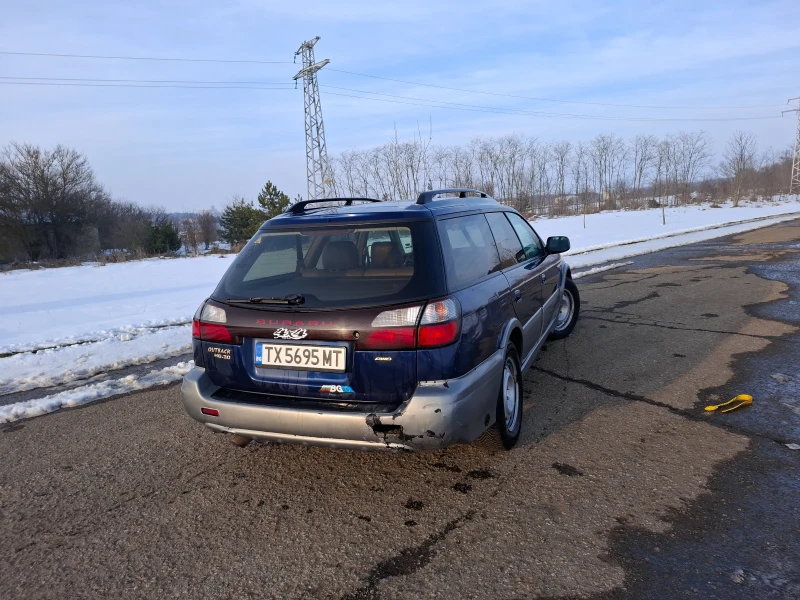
<point x="385" y="255"/>
<point x="340" y="256"/>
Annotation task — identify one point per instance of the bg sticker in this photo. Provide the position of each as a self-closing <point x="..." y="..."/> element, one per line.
<point x="339" y="389"/>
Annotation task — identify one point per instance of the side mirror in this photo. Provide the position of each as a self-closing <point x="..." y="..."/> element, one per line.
<point x="557" y="244"/>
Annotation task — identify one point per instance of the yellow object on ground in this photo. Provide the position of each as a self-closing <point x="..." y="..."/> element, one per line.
<point x="733" y="403"/>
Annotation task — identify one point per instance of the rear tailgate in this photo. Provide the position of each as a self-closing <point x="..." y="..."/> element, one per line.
<point x="309" y="294"/>
<point x="274" y="342"/>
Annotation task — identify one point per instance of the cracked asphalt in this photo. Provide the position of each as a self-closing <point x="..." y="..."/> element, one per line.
<point x="622" y="486"/>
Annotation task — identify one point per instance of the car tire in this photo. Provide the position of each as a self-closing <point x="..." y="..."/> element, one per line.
<point x="568" y="311"/>
<point x="509" y="399"/>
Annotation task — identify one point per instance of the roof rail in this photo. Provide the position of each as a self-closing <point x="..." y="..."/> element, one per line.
<point x="299" y="207"/>
<point x="426" y="197"/>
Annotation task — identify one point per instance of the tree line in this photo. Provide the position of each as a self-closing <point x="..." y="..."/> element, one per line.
<point x="556" y="178"/>
<point x="53" y="207"/>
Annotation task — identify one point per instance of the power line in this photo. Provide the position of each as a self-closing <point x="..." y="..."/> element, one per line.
<point x="96" y="80"/>
<point x="390" y="98"/>
<point x="536" y="112"/>
<point x="404" y="81"/>
<point x="511" y="111"/>
<point x="538" y="99"/>
<point x="134" y="85"/>
<point x="154" y="58"/>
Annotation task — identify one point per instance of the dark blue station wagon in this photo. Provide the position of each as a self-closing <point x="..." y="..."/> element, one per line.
<point x="375" y="325"/>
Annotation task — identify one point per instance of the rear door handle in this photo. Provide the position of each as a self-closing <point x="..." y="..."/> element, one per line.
<point x="544" y="277"/>
<point x="517" y="295"/>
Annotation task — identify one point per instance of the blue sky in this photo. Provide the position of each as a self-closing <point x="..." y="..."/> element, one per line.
<point x="187" y="149"/>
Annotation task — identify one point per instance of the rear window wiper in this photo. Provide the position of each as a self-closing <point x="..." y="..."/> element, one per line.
<point x="291" y="299"/>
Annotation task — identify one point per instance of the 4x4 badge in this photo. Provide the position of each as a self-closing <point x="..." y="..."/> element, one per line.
<point x="290" y="334"/>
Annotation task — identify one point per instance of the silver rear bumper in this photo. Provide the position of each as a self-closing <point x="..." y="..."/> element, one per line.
<point x="440" y="413"/>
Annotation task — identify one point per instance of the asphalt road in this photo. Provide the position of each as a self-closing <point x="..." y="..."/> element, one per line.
<point x="621" y="486"/>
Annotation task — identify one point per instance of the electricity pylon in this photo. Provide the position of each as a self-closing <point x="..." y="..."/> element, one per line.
<point x="318" y="168"/>
<point x="794" y="185"/>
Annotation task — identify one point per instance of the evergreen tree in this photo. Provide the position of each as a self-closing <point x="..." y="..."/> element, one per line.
<point x="272" y="200"/>
<point x="239" y="221"/>
<point x="162" y="238"/>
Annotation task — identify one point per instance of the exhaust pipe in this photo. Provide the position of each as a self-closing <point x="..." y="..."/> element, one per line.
<point x="240" y="440"/>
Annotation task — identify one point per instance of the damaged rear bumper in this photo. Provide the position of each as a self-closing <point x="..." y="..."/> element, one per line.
<point x="440" y="413"/>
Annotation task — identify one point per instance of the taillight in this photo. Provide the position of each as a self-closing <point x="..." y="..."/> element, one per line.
<point x="402" y="328"/>
<point x="397" y="338"/>
<point x="210" y="332"/>
<point x="440" y="324"/>
<point x="431" y="336"/>
<point x="209" y="327"/>
<point x="399" y="317"/>
<point x="196" y="321"/>
<point x="393" y="330"/>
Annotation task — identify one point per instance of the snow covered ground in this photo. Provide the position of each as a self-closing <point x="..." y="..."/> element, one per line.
<point x="613" y="235"/>
<point x="68" y="324"/>
<point x="54" y="366"/>
<point x="55" y="307"/>
<point x="93" y="391"/>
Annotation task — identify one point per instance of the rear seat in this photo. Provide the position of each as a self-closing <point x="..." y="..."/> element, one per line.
<point x="340" y="259"/>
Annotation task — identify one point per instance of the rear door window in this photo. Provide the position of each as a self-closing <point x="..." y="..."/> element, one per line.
<point x="469" y="250"/>
<point x="531" y="243"/>
<point x="508" y="244"/>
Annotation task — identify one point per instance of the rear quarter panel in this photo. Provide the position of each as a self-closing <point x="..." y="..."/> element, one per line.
<point x="485" y="309"/>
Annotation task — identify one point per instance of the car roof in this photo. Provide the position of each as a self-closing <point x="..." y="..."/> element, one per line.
<point x="407" y="210"/>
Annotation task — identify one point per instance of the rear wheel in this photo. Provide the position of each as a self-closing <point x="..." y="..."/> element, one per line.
<point x="568" y="310"/>
<point x="509" y="400"/>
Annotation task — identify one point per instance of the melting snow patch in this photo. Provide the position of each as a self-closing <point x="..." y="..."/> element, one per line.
<point x="780" y="377"/>
<point x="601" y="269"/>
<point x="92" y="392"/>
<point x="124" y="333"/>
<point x="46" y="368"/>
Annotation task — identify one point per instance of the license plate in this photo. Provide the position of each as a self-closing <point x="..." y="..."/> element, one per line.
<point x="305" y="357"/>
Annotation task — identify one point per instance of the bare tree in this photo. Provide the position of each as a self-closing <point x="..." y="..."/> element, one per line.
<point x="190" y="234"/>
<point x="664" y="160"/>
<point x="207" y="224"/>
<point x="537" y="177"/>
<point x="645" y="149"/>
<point x="129" y="227"/>
<point x="739" y="162"/>
<point x="692" y="153"/>
<point x="580" y="177"/>
<point x="561" y="154"/>
<point x="608" y="154"/>
<point x="48" y="197"/>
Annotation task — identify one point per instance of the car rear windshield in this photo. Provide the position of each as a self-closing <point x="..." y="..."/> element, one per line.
<point x="338" y="267"/>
